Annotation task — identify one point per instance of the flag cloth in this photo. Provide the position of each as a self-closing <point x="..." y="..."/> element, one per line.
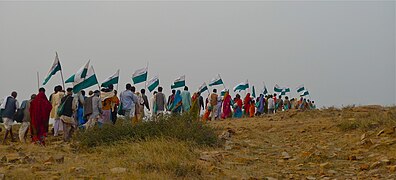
<point x="286" y="90"/>
<point x="306" y="93"/>
<point x="139" y="76"/>
<point x="89" y="81"/>
<point x="179" y="82"/>
<point x="277" y="89"/>
<point x="222" y="93"/>
<point x="202" y="88"/>
<point x="111" y="80"/>
<point x="283" y="93"/>
<point x="253" y="92"/>
<point x="216" y="81"/>
<point x="265" y="91"/>
<point x="300" y="88"/>
<point x="56" y="66"/>
<point x="241" y="86"/>
<point x="80" y="75"/>
<point x="153" y="83"/>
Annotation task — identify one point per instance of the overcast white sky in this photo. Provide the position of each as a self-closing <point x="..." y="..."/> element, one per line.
<point x="343" y="52"/>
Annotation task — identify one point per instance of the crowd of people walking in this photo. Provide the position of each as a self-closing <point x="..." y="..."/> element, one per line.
<point x="79" y="111"/>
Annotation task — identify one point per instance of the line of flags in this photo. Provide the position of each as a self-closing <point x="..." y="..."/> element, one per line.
<point x="85" y="77"/>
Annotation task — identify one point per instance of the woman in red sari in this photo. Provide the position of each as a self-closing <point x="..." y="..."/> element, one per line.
<point x="226" y="106"/>
<point x="40" y="109"/>
<point x="246" y="103"/>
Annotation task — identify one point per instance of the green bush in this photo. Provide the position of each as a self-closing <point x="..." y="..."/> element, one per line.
<point x="180" y="127"/>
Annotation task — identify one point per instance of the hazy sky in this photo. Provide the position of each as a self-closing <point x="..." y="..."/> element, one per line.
<point x="343" y="52"/>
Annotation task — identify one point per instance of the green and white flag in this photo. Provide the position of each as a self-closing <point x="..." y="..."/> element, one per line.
<point x="111" y="80"/>
<point x="56" y="66"/>
<point x="179" y="82"/>
<point x="89" y="81"/>
<point x="253" y="92"/>
<point x="202" y="88"/>
<point x="139" y="76"/>
<point x="278" y="89"/>
<point x="265" y="91"/>
<point x="241" y="86"/>
<point x="80" y="75"/>
<point x="223" y="92"/>
<point x="216" y="81"/>
<point x="300" y="88"/>
<point x="286" y="90"/>
<point x="306" y="93"/>
<point x="283" y="93"/>
<point x="153" y="83"/>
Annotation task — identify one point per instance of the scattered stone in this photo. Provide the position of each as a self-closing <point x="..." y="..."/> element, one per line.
<point x="352" y="158"/>
<point x="50" y="159"/>
<point x="375" y="165"/>
<point x="77" y="170"/>
<point x="392" y="169"/>
<point x="311" y="178"/>
<point x="364" y="167"/>
<point x="4" y="159"/>
<point x="285" y="156"/>
<point x="332" y="172"/>
<point x="59" y="159"/>
<point x="48" y="163"/>
<point x="381" y="132"/>
<point x="13" y="158"/>
<point x="118" y="170"/>
<point x="386" y="161"/>
<point x="270" y="178"/>
<point x="325" y="165"/>
<point x="2" y="176"/>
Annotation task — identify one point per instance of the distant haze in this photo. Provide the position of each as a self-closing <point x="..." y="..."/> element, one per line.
<point x="343" y="52"/>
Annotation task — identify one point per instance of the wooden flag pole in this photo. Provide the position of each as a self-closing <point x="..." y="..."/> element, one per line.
<point x="38" y="80"/>
<point x="61" y="72"/>
<point x="145" y="83"/>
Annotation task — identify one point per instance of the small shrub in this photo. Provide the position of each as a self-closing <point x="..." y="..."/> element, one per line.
<point x="180" y="127"/>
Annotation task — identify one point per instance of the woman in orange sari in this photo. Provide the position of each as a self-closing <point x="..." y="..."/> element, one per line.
<point x="194" y="111"/>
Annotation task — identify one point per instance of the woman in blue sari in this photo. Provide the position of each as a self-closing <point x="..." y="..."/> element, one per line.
<point x="177" y="103"/>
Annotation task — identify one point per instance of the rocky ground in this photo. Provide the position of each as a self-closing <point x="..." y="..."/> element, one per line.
<point x="349" y="143"/>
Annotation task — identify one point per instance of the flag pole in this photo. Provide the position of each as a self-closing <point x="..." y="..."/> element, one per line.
<point x="145" y="83"/>
<point x="38" y="80"/>
<point x="61" y="71"/>
<point x="118" y="79"/>
<point x="95" y="75"/>
<point x="223" y="81"/>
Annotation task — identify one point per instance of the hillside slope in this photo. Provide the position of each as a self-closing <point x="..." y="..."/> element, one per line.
<point x="355" y="142"/>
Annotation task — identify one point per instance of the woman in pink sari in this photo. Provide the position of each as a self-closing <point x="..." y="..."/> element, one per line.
<point x="226" y="106"/>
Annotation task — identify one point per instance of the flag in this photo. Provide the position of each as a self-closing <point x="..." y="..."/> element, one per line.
<point x="241" y="86"/>
<point x="306" y="93"/>
<point x="179" y="82"/>
<point x="222" y="93"/>
<point x="277" y="88"/>
<point x="80" y="75"/>
<point x="153" y="83"/>
<point x="300" y="88"/>
<point x="89" y="81"/>
<point x="202" y="88"/>
<point x="253" y="92"/>
<point x="56" y="66"/>
<point x="216" y="81"/>
<point x="265" y="91"/>
<point x="139" y="76"/>
<point x="283" y="93"/>
<point x="111" y="80"/>
<point x="286" y="90"/>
